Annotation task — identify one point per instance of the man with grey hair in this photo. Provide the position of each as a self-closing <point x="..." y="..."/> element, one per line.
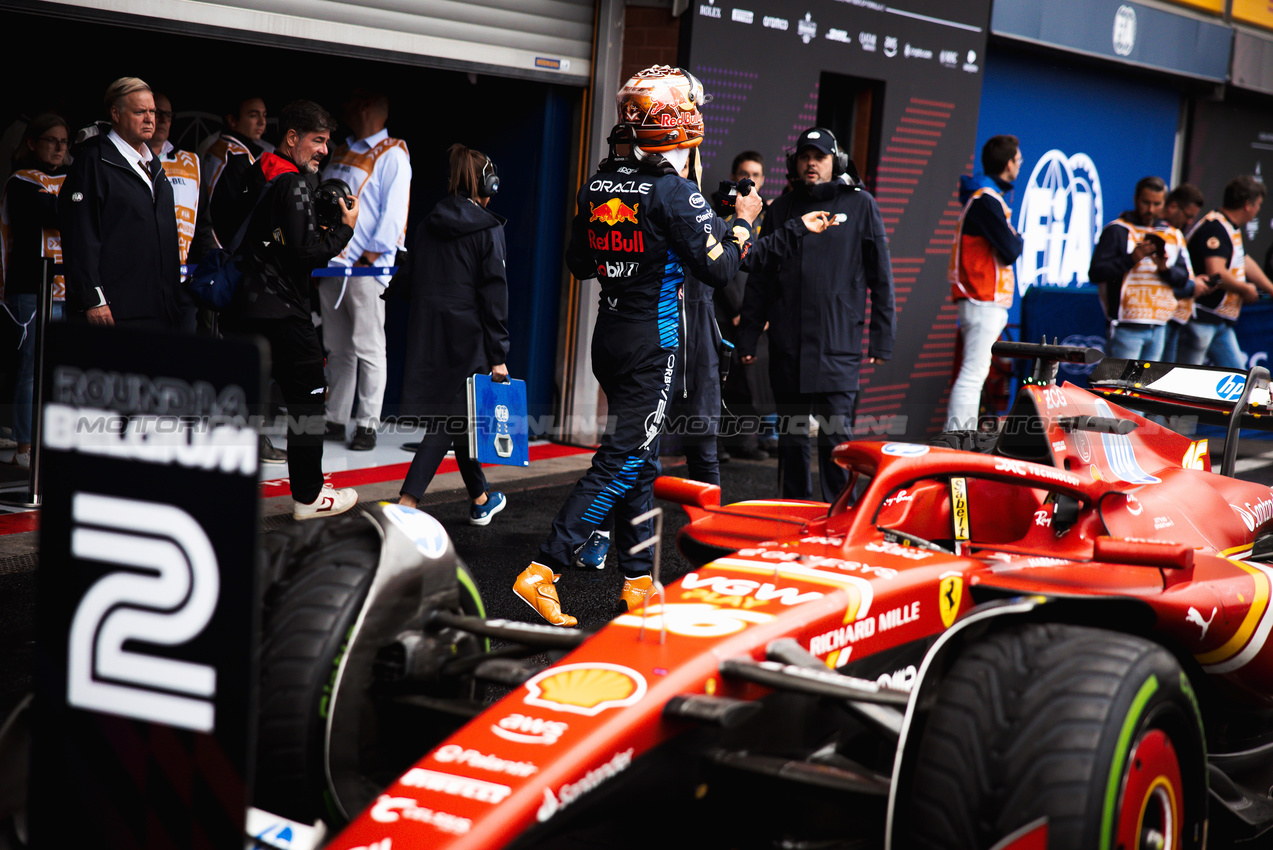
<point x="118" y="220"/>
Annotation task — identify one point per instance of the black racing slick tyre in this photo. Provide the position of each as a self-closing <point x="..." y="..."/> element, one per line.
<point x="330" y="734"/>
<point x="1094" y="734"/>
<point x="327" y="570"/>
<point x="981" y="442"/>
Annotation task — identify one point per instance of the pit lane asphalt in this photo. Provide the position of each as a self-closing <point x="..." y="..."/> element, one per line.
<point x="494" y="554"/>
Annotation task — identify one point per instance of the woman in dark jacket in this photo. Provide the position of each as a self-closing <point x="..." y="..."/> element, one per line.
<point x="457" y="325"/>
<point x="31" y="235"/>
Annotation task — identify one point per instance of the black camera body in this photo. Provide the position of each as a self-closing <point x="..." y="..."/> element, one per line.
<point x="724" y="196"/>
<point x="328" y="198"/>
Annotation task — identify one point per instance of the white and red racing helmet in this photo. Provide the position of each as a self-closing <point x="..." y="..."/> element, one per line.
<point x="660" y="106"/>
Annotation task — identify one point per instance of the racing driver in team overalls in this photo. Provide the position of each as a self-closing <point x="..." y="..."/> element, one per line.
<point x="639" y="226"/>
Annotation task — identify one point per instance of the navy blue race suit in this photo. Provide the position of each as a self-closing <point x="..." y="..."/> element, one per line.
<point x="637" y="230"/>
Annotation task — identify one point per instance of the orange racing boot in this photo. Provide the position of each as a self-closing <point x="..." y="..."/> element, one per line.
<point x="635" y="591"/>
<point x="535" y="587"/>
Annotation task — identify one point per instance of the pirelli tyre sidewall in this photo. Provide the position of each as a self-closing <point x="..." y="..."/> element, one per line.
<point x="1096" y="733"/>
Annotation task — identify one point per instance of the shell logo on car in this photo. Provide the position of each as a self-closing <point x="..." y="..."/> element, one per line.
<point x="588" y="688"/>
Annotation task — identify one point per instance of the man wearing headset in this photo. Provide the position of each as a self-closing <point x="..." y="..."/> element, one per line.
<point x="815" y="304"/>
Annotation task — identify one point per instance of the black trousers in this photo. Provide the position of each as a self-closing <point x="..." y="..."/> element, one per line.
<point x="445" y="429"/>
<point x="296" y="364"/>
<point x="834" y="414"/>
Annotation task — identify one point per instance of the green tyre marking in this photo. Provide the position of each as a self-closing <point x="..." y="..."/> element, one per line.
<point x="1187" y="687"/>
<point x="1147" y="690"/>
<point x="330" y="687"/>
<point x="465" y="579"/>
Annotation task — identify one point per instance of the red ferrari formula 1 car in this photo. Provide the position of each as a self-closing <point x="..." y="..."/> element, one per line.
<point x="1055" y="639"/>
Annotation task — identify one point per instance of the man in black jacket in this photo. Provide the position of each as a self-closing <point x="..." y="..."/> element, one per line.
<point x="815" y="304"/>
<point x="119" y="226"/>
<point x="1142" y="267"/>
<point x="284" y="245"/>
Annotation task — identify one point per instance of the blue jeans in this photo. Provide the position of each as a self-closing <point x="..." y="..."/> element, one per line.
<point x="1217" y="342"/>
<point x="23" y="307"/>
<point x="1171" y="341"/>
<point x="1137" y="342"/>
<point x="980" y="323"/>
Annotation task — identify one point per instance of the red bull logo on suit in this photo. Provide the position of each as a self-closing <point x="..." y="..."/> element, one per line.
<point x="614" y="211"/>
<point x="613" y="240"/>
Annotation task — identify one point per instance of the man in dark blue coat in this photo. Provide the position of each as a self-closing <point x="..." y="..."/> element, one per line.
<point x="638" y="229"/>
<point x="815" y="304"/>
<point x="119" y="226"/>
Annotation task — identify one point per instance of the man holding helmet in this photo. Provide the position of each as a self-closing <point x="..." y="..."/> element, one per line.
<point x="638" y="228"/>
<point x="815" y="304"/>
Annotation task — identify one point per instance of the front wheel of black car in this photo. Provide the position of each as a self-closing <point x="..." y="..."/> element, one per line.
<point x="330" y="736"/>
<point x="1093" y="733"/>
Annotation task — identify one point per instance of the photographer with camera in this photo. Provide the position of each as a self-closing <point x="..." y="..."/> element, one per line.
<point x="749" y="430"/>
<point x="1142" y="266"/>
<point x="285" y="242"/>
<point x="377" y="168"/>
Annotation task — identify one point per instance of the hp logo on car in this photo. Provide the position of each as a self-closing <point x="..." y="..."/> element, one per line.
<point x="1230" y="387"/>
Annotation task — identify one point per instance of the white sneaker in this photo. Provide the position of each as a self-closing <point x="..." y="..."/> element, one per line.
<point x="22" y="459"/>
<point x="330" y="502"/>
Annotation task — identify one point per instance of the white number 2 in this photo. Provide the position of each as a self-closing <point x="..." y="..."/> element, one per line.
<point x="167" y="609"/>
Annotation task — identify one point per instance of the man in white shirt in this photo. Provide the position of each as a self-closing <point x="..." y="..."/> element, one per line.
<point x="377" y="169"/>
<point x="118" y="221"/>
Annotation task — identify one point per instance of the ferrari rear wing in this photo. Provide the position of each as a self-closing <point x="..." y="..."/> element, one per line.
<point x="1229" y="398"/>
<point x="1225" y="397"/>
<point x="1206" y="390"/>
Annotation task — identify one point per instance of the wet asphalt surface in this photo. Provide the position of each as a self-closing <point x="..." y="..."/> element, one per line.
<point x="495" y="554"/>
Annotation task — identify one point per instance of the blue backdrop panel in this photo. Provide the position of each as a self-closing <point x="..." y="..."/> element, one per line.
<point x="1107" y="128"/>
<point x="1068" y="317"/>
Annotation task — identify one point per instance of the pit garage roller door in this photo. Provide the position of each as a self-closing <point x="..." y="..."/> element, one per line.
<point x="549" y="40"/>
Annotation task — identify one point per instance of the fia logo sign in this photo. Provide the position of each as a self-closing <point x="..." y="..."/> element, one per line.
<point x="1061" y="215"/>
<point x="1124" y="30"/>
